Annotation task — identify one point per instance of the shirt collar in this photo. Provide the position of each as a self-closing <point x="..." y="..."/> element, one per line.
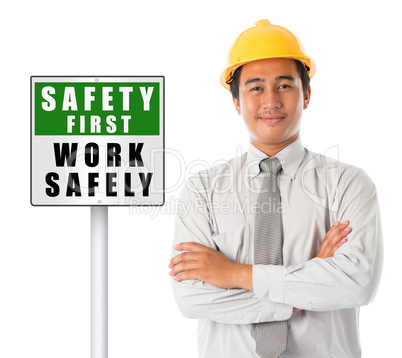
<point x="290" y="158"/>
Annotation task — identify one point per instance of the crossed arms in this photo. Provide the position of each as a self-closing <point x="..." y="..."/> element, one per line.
<point x="343" y="274"/>
<point x="209" y="265"/>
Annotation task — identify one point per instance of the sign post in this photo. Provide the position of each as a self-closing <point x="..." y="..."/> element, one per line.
<point x="99" y="282"/>
<point x="98" y="142"/>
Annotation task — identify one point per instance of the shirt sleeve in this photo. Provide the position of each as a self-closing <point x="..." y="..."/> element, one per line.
<point x="348" y="279"/>
<point x="198" y="299"/>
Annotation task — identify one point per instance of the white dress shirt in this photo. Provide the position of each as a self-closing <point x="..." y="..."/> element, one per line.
<point x="217" y="209"/>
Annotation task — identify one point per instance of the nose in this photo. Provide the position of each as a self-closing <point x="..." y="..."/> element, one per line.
<point x="270" y="99"/>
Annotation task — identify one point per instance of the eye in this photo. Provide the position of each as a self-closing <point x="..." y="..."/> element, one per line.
<point x="284" y="86"/>
<point x="256" y="89"/>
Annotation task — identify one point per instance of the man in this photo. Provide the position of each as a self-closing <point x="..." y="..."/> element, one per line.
<point x="274" y="269"/>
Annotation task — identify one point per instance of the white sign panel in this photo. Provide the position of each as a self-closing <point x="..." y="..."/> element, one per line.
<point x="97" y="140"/>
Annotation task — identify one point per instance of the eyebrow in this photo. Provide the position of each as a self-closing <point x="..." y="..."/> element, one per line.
<point x="290" y="78"/>
<point x="255" y="79"/>
<point x="259" y="79"/>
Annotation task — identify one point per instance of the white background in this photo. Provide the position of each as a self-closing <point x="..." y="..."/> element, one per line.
<point x="45" y="251"/>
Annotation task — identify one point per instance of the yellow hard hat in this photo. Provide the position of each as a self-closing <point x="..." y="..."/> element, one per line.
<point x="265" y="41"/>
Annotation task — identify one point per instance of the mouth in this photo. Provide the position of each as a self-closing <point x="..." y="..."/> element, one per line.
<point x="271" y="119"/>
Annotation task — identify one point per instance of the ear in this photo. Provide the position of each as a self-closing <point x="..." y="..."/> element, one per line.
<point x="236" y="103"/>
<point x="307" y="96"/>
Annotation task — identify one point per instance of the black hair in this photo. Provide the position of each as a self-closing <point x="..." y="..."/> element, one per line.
<point x="301" y="69"/>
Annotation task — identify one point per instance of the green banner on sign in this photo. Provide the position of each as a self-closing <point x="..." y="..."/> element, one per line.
<point x="78" y="108"/>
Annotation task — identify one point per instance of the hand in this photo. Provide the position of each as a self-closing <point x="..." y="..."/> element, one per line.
<point x="334" y="239"/>
<point x="208" y="265"/>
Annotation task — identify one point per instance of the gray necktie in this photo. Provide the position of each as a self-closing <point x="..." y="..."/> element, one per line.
<point x="270" y="337"/>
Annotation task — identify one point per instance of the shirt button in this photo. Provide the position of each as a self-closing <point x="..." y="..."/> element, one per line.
<point x="277" y="316"/>
<point x="292" y="175"/>
<point x="271" y="294"/>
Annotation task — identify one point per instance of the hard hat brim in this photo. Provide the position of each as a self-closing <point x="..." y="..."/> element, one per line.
<point x="226" y="75"/>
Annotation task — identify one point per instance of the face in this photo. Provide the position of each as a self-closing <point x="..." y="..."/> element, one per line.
<point x="271" y="102"/>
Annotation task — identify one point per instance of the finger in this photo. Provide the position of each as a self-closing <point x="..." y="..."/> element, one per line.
<point x="337" y="232"/>
<point x="338" y="245"/>
<point x="339" y="235"/>
<point x="190" y="246"/>
<point x="185" y="266"/>
<point x="185" y="256"/>
<point x="331" y="248"/>
<point x="187" y="275"/>
<point x="334" y="235"/>
<point x="329" y="235"/>
<point x="343" y="225"/>
<point x="339" y="226"/>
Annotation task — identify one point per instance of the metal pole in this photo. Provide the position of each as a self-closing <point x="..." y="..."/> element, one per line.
<point x="99" y="281"/>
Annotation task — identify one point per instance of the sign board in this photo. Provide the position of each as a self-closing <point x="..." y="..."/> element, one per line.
<point x="97" y="140"/>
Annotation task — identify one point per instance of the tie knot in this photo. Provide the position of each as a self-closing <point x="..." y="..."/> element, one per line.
<point x="271" y="164"/>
